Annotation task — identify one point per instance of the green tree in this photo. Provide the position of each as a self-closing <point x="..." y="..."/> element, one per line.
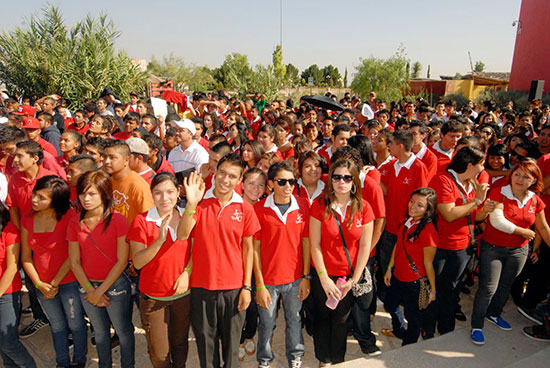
<point x="197" y="78"/>
<point x="416" y="69"/>
<point x="479" y="66"/>
<point x="315" y="72"/>
<point x="331" y="76"/>
<point x="278" y="67"/>
<point x="292" y="74"/>
<point x="387" y="77"/>
<point x="237" y="66"/>
<point x="47" y="57"/>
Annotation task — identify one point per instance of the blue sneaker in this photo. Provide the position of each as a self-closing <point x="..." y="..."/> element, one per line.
<point x="477" y="336"/>
<point x="502" y="324"/>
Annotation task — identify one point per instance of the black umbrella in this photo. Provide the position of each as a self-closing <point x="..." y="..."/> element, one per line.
<point x="324" y="102"/>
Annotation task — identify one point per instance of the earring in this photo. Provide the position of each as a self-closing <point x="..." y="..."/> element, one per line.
<point x="353" y="189"/>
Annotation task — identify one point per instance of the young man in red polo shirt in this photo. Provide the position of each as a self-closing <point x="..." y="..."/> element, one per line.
<point x="31" y="127"/>
<point x="281" y="263"/>
<point x="131" y="123"/>
<point x="223" y="225"/>
<point x="340" y="135"/>
<point x="400" y="177"/>
<point x="444" y="148"/>
<point x="139" y="152"/>
<point x="419" y="132"/>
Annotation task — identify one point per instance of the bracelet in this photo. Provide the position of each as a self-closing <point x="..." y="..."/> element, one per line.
<point x="389" y="267"/>
<point x="189" y="212"/>
<point x="478" y="201"/>
<point x="321" y="272"/>
<point x="188" y="270"/>
<point x="38" y="284"/>
<point x="306" y="277"/>
<point x="86" y="286"/>
<point x="246" y="287"/>
<point x="260" y="288"/>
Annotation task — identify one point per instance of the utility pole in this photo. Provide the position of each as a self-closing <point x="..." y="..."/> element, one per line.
<point x="471" y="64"/>
<point x="281" y="25"/>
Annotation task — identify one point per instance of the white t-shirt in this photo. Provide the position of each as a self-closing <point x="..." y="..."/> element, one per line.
<point x="194" y="156"/>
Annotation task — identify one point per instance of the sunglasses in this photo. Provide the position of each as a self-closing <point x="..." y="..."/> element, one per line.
<point x="347" y="178"/>
<point x="282" y="182"/>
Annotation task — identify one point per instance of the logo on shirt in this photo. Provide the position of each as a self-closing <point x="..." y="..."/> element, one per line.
<point x="358" y="223"/>
<point x="406" y="181"/>
<point x="237" y="216"/>
<point x="300" y="218"/>
<point x="531" y="209"/>
<point x="383" y="172"/>
<point x="120" y="201"/>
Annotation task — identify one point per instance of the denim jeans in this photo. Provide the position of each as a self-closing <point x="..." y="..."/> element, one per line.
<point x="293" y="332"/>
<point x="116" y="313"/>
<point x="405" y="293"/>
<point x="448" y="267"/>
<point x="14" y="353"/>
<point x="498" y="268"/>
<point x="65" y="312"/>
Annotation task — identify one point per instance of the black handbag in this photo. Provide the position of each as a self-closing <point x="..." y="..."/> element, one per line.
<point x="362" y="288"/>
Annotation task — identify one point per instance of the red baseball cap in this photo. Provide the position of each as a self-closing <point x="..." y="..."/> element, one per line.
<point x="31" y="123"/>
<point x="26" y="110"/>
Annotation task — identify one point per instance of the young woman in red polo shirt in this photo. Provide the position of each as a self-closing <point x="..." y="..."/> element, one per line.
<point x="458" y="197"/>
<point x="71" y="145"/>
<point x="311" y="168"/>
<point x="343" y="199"/>
<point x="267" y="137"/>
<point x="14" y="353"/>
<point x="98" y="253"/>
<point x="514" y="209"/>
<point x="252" y="153"/>
<point x="44" y="255"/>
<point x="418" y="238"/>
<point x="165" y="270"/>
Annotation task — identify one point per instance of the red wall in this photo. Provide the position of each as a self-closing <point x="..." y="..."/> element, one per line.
<point x="532" y="50"/>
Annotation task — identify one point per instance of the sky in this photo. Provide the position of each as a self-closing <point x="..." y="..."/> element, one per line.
<point x="435" y="33"/>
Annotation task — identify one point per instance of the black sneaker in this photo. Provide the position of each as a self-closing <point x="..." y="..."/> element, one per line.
<point x="33" y="328"/>
<point x="536" y="333"/>
<point x="531" y="314"/>
<point x="460" y="316"/>
<point x="371" y="350"/>
<point x="26" y="311"/>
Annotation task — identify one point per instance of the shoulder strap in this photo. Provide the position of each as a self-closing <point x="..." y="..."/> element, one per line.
<point x="411" y="262"/>
<point x="335" y="215"/>
<point x="468" y="216"/>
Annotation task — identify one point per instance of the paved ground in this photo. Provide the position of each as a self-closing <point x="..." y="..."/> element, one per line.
<point x="453" y="350"/>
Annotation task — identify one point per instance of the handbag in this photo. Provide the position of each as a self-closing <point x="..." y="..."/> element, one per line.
<point x="425" y="288"/>
<point x="360" y="289"/>
<point x="472" y="248"/>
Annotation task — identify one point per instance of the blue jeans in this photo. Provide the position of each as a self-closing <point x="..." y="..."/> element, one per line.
<point x="406" y="293"/>
<point x="116" y="313"/>
<point x="293" y="333"/>
<point x="14" y="354"/>
<point x="65" y="312"/>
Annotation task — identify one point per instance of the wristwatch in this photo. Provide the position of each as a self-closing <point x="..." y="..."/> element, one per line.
<point x="307" y="277"/>
<point x="246" y="287"/>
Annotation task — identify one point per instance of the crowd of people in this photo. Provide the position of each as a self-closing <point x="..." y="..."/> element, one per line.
<point x="227" y="211"/>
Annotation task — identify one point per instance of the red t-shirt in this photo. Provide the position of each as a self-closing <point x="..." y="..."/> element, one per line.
<point x="97" y="264"/>
<point x="20" y="190"/>
<point x="523" y="216"/>
<point x="453" y="235"/>
<point x="122" y="135"/>
<point x="373" y="194"/>
<point x="204" y="143"/>
<point x="218" y="237"/>
<point x="47" y="146"/>
<point x="374" y="173"/>
<point x="148" y="175"/>
<point x="82" y="130"/>
<point x="158" y="277"/>
<point x="10" y="236"/>
<point x="399" y="189"/>
<point x="332" y="247"/>
<point x="288" y="153"/>
<point x="281" y="239"/>
<point x="50" y="249"/>
<point x="165" y="166"/>
<point x="544" y="165"/>
<point x="401" y="269"/>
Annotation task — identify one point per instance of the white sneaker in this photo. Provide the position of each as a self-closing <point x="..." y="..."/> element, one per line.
<point x="242" y="352"/>
<point x="250" y="347"/>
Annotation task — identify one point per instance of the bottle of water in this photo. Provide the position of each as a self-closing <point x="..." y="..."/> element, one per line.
<point x="332" y="302"/>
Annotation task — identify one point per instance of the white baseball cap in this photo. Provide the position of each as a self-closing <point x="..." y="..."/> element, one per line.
<point x="185" y="124"/>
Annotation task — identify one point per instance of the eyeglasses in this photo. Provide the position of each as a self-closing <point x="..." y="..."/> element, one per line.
<point x="347" y="178"/>
<point x="282" y="182"/>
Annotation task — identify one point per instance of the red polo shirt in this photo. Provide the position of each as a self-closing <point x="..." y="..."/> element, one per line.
<point x="429" y="159"/>
<point x="96" y="263"/>
<point x="428" y="238"/>
<point x="9" y="237"/>
<point x="334" y="255"/>
<point x="443" y="158"/>
<point x="412" y="175"/>
<point x="158" y="277"/>
<point x="218" y="237"/>
<point x="520" y="214"/>
<point x="122" y="135"/>
<point x="20" y="190"/>
<point x="453" y="235"/>
<point x="281" y="239"/>
<point x="50" y="249"/>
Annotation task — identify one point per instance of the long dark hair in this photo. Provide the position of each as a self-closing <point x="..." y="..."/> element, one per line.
<point x="60" y="192"/>
<point x="355" y="196"/>
<point x="102" y="181"/>
<point x="429" y="216"/>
